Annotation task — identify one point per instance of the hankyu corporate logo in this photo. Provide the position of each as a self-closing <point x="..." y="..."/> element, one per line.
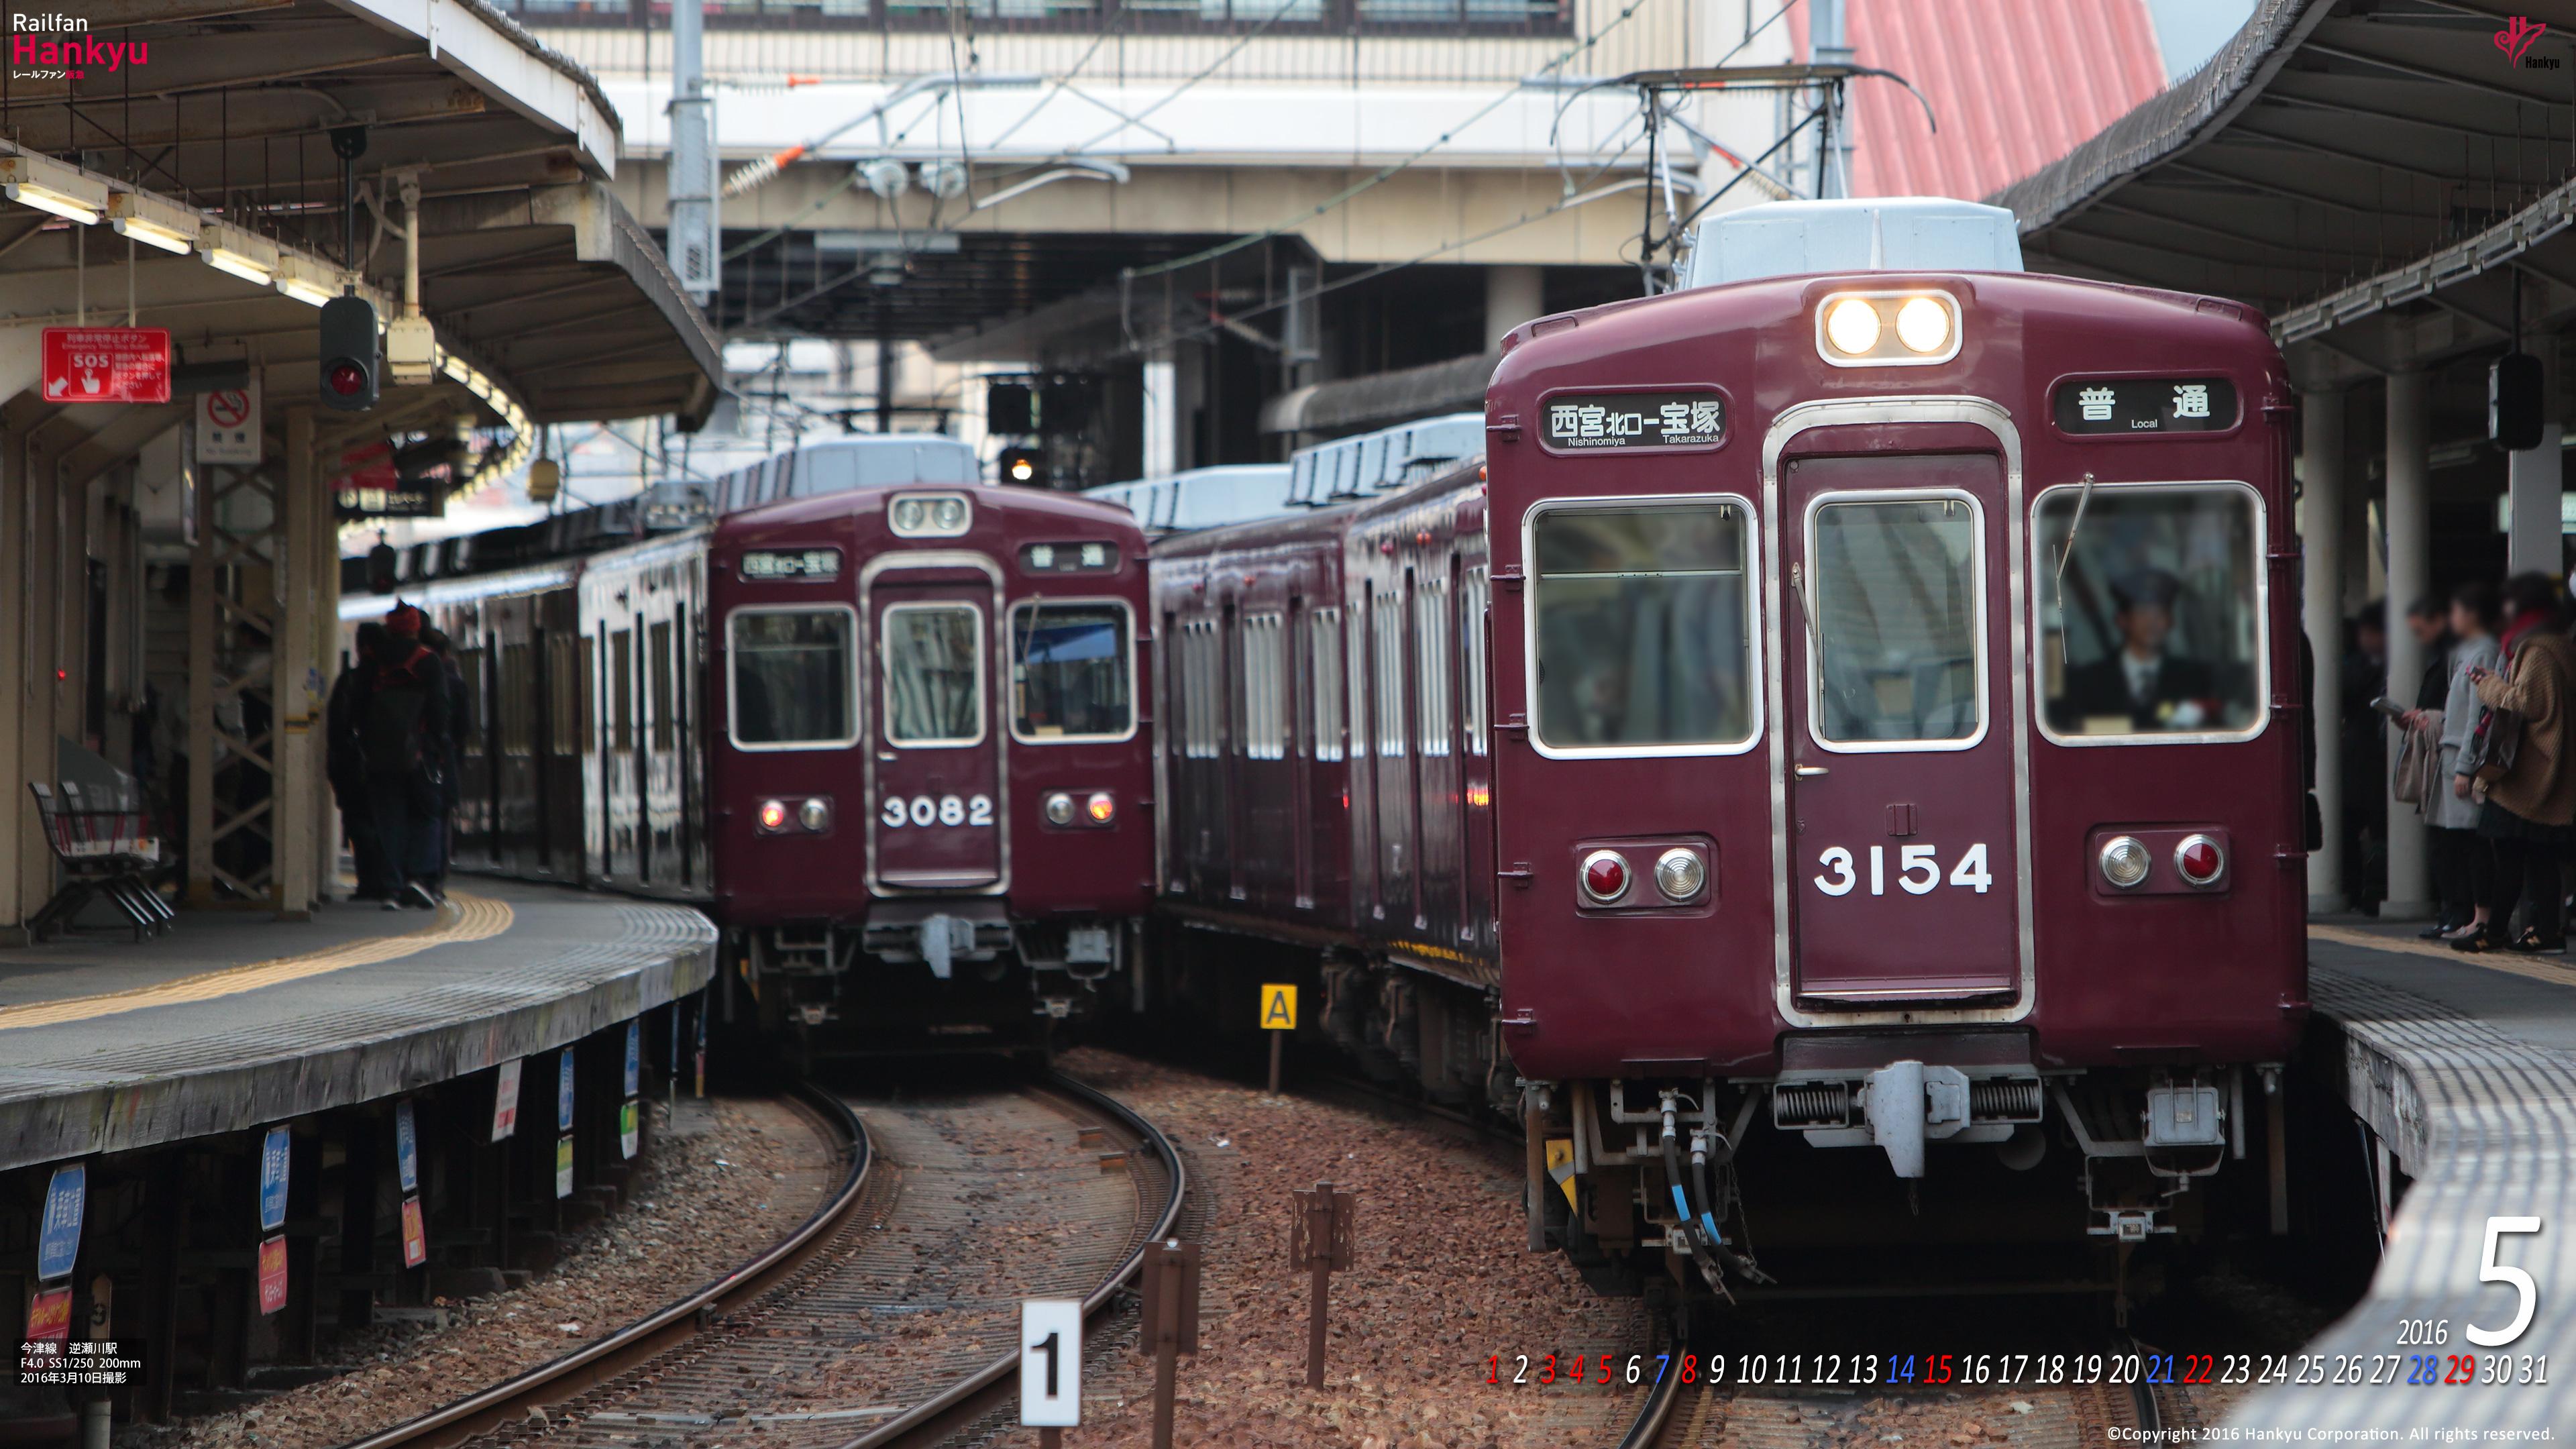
<point x="50" y="46"/>
<point x="2516" y="39"/>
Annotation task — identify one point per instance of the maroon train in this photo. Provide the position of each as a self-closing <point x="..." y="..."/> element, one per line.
<point x="880" y="721"/>
<point x="1834" y="773"/>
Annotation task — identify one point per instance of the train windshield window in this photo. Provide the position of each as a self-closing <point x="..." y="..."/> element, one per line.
<point x="1898" y="650"/>
<point x="791" y="678"/>
<point x="934" y="674"/>
<point x="2150" y="615"/>
<point x="1070" y="672"/>
<point x="1642" y="628"/>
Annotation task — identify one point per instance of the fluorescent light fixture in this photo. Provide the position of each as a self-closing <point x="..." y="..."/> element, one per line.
<point x="152" y="222"/>
<point x="308" y="282"/>
<point x="47" y="185"/>
<point x="306" y="291"/>
<point x="242" y="256"/>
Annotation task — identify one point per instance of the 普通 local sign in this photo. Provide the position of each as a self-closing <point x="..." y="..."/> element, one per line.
<point x="106" y="364"/>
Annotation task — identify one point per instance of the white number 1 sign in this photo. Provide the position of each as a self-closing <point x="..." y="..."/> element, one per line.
<point x="1050" y="1363"/>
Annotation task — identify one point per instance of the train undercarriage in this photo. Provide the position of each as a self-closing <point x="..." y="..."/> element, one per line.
<point x="927" y="977"/>
<point x="1934" y="1157"/>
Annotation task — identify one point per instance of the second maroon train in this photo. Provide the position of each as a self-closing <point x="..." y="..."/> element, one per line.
<point x="1830" y="773"/>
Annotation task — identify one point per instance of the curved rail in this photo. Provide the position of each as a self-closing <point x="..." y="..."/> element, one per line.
<point x="594" y="1363"/>
<point x="1657" y="1410"/>
<point x="979" y="1392"/>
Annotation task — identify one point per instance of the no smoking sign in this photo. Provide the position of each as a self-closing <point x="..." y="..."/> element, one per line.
<point x="228" y="424"/>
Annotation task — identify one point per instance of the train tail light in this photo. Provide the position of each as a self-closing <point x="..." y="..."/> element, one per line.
<point x="1680" y="873"/>
<point x="1605" y="875"/>
<point x="815" y="814"/>
<point x="773" y="816"/>
<point x="1059" y="809"/>
<point x="2124" y="861"/>
<point x="2199" y="860"/>
<point x="1101" y="808"/>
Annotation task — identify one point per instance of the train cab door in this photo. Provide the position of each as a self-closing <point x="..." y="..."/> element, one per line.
<point x="1898" y="732"/>
<point x="937" y="797"/>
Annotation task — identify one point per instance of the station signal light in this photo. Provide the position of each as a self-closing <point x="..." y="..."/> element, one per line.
<point x="1011" y="406"/>
<point x="348" y="354"/>
<point x="1026" y="466"/>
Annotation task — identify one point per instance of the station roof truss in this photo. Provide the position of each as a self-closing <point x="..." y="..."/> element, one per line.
<point x="2373" y="174"/>
<point x="528" y="262"/>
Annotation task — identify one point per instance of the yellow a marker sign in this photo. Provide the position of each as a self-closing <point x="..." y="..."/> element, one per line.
<point x="1278" y="1007"/>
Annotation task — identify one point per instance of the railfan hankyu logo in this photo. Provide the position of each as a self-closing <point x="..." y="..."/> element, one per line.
<point x="49" y="46"/>
<point x="2516" y="40"/>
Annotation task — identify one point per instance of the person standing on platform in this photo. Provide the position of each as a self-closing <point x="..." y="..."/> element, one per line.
<point x="346" y="765"/>
<point x="403" y="728"/>
<point x="2468" y="858"/>
<point x="451" y="790"/>
<point x="2520" y="750"/>
<point x="2420" y="778"/>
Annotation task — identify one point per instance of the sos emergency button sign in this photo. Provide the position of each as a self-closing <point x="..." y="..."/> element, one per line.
<point x="106" y="364"/>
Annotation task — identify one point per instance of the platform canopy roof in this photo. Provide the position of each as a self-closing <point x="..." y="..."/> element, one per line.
<point x="219" y="115"/>
<point x="2374" y="174"/>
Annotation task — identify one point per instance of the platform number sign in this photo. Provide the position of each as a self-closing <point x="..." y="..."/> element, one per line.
<point x="273" y="1157"/>
<point x="406" y="1147"/>
<point x="1050" y="1363"/>
<point x="58" y="1241"/>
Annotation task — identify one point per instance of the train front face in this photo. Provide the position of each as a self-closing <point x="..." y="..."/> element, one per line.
<point x="930" y="767"/>
<point x="1903" y="799"/>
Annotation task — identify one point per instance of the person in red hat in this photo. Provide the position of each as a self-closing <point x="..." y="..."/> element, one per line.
<point x="402" y="725"/>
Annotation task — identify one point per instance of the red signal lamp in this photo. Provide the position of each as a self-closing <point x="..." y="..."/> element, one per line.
<point x="1605" y="875"/>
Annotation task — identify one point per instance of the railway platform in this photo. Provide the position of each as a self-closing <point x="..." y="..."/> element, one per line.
<point x="2462" y="1071"/>
<point x="240" y="1135"/>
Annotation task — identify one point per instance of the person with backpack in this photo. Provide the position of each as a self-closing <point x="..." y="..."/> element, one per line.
<point x="403" y="738"/>
<point x="2519" y="759"/>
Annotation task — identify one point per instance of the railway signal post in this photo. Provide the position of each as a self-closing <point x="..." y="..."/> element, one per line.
<point x="1278" y="1017"/>
<point x="1171" y="1290"/>
<point x="1320" y="1243"/>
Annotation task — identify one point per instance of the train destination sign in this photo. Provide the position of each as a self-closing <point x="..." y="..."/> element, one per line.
<point x="797" y="565"/>
<point x="2146" y="405"/>
<point x="1583" y="422"/>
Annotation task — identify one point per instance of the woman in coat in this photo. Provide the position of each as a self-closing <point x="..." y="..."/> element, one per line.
<point x="2468" y="861"/>
<point x="2529" y="815"/>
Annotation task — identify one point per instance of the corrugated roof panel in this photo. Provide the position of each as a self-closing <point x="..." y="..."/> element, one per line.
<point x="2015" y="85"/>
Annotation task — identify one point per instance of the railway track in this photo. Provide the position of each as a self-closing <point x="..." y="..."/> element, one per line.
<point x="889" y="1318"/>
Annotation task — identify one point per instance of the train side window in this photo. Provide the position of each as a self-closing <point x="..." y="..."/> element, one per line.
<point x="934" y="675"/>
<point x="586" y="690"/>
<point x="1471" y="655"/>
<point x="518" y="700"/>
<point x="1641" y="628"/>
<point x="660" y="645"/>
<point x="1431" y="647"/>
<point x="2150" y="603"/>
<point x="1387" y="651"/>
<point x="789" y="684"/>
<point x="1897" y="585"/>
<point x="1071" y="671"/>
<point x="1324" y="634"/>
<point x="1265" y="735"/>
<point x="621" y="689"/>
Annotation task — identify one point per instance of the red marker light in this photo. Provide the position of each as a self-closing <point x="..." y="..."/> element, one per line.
<point x="2199" y="859"/>
<point x="773" y="814"/>
<point x="1605" y="875"/>
<point x="1102" y="808"/>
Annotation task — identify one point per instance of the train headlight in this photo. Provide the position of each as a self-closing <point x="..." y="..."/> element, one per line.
<point x="1680" y="873"/>
<point x="1852" y="325"/>
<point x="1101" y="808"/>
<point x="1923" y="325"/>
<point x="1059" y="809"/>
<point x="2124" y="861"/>
<point x="929" y="515"/>
<point x="1605" y="875"/>
<point x="773" y="816"/>
<point x="2199" y="860"/>
<point x="815" y="814"/>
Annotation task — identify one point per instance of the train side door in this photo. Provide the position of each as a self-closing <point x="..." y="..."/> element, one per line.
<point x="938" y="806"/>
<point x="1898" y="731"/>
